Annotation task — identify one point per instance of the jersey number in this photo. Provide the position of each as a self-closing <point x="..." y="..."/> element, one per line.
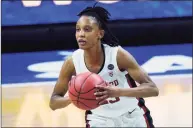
<point x="111" y="101"/>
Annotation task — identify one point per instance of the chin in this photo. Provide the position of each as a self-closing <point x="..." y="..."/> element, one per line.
<point x="83" y="47"/>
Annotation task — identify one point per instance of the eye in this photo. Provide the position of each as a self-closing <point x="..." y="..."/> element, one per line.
<point x="77" y="29"/>
<point x="87" y="29"/>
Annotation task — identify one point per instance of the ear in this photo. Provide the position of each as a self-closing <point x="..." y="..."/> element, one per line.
<point x="101" y="34"/>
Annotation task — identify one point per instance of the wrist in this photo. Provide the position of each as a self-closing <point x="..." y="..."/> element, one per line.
<point x="124" y="92"/>
<point x="121" y="92"/>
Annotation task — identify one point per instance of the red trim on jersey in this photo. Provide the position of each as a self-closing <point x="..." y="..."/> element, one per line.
<point x="146" y="120"/>
<point x="143" y="107"/>
<point x="87" y="125"/>
<point x="87" y="121"/>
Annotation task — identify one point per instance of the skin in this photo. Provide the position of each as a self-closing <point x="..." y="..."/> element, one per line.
<point x="87" y="29"/>
<point x="57" y="99"/>
<point x="147" y="87"/>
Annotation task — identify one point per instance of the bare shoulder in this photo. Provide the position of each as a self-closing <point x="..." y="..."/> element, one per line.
<point x="68" y="67"/>
<point x="125" y="59"/>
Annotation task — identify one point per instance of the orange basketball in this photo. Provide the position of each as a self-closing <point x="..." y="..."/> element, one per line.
<point x="82" y="88"/>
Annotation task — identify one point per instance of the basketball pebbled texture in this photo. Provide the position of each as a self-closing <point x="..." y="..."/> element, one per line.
<point x="82" y="88"/>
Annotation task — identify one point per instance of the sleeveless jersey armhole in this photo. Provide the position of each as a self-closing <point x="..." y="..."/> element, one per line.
<point x="114" y="55"/>
<point x="76" y="60"/>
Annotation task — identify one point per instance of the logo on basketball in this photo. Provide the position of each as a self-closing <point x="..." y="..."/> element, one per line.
<point x="110" y="66"/>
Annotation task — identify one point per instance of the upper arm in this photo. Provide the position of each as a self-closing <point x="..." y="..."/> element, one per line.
<point x="65" y="75"/>
<point x="127" y="62"/>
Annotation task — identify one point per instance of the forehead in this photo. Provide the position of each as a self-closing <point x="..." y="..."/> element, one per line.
<point x="86" y="20"/>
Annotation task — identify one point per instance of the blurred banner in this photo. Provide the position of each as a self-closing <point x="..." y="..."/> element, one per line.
<point x="25" y="12"/>
<point x="45" y="66"/>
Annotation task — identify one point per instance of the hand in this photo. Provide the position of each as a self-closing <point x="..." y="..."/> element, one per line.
<point x="106" y="91"/>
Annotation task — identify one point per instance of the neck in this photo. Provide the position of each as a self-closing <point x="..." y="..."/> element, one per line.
<point x="94" y="56"/>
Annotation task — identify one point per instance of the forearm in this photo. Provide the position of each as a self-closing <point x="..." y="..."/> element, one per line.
<point x="144" y="90"/>
<point x="58" y="102"/>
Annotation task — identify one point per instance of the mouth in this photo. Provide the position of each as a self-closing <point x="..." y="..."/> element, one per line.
<point x="81" y="42"/>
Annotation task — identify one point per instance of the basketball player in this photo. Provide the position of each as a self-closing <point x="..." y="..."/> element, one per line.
<point x="122" y="103"/>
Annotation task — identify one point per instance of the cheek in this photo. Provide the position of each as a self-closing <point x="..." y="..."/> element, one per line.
<point x="92" y="40"/>
<point x="76" y="35"/>
<point x="92" y="37"/>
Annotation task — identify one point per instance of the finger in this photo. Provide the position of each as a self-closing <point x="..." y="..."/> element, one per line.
<point x="97" y="90"/>
<point x="100" y="87"/>
<point x="102" y="97"/>
<point x="103" y="102"/>
<point x="100" y="93"/>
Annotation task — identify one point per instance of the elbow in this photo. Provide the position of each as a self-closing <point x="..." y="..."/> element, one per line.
<point x="156" y="91"/>
<point x="52" y="106"/>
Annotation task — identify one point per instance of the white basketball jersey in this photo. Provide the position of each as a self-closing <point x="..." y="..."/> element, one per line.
<point x="110" y="73"/>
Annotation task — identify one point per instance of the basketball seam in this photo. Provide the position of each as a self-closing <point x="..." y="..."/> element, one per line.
<point x="74" y="85"/>
<point x="81" y="87"/>
<point x="87" y="91"/>
<point x="90" y="89"/>
<point x="85" y="105"/>
<point x="80" y="97"/>
<point x="75" y="90"/>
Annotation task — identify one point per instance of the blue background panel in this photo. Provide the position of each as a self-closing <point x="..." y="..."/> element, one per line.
<point x="45" y="66"/>
<point x="14" y="13"/>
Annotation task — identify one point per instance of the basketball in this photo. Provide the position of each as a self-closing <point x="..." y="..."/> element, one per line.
<point x="82" y="88"/>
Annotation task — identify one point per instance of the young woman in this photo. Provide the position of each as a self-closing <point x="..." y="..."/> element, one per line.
<point x="122" y="103"/>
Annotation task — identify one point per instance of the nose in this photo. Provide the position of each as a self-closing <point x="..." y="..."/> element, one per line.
<point x="82" y="33"/>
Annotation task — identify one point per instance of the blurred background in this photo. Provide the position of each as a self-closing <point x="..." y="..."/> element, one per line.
<point x="38" y="35"/>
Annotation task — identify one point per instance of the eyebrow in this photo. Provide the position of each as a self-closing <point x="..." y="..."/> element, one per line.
<point x="84" y="26"/>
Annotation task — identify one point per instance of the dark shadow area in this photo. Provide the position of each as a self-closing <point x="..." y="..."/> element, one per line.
<point x="130" y="33"/>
